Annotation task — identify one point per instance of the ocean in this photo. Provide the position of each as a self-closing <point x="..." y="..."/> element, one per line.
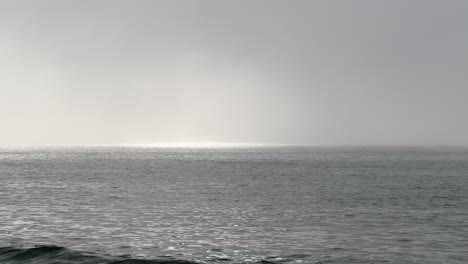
<point x="234" y="205"/>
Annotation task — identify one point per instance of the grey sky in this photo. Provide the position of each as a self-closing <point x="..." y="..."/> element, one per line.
<point x="310" y="72"/>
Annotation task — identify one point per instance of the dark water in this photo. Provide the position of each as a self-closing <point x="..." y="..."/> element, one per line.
<point x="246" y="205"/>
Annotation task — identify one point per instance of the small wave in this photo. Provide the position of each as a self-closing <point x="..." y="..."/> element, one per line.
<point x="61" y="255"/>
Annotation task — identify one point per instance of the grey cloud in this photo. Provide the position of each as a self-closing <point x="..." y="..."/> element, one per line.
<point x="290" y="72"/>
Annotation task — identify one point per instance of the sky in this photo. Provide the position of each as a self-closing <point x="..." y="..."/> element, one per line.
<point x="301" y="72"/>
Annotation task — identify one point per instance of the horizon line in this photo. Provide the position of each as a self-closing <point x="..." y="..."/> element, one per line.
<point x="201" y="145"/>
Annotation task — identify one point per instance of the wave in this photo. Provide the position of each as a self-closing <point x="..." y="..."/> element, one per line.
<point x="60" y="255"/>
<point x="50" y="254"/>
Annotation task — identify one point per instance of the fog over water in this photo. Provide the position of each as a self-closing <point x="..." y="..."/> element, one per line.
<point x="261" y="72"/>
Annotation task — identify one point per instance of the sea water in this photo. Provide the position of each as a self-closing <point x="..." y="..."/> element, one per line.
<point x="234" y="205"/>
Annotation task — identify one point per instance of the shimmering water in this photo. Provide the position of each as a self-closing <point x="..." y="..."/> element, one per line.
<point x="244" y="205"/>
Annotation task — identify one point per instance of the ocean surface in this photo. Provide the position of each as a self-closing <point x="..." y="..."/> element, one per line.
<point x="234" y="205"/>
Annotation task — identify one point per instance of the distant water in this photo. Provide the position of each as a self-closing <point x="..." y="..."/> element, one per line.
<point x="244" y="205"/>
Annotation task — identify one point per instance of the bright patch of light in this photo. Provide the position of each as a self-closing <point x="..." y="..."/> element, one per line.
<point x="197" y="145"/>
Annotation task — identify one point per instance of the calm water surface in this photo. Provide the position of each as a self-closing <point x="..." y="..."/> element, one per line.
<point x="244" y="205"/>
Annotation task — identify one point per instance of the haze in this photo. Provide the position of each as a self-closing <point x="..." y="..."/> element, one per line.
<point x="259" y="72"/>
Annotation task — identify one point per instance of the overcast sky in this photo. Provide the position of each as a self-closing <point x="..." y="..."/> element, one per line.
<point x="308" y="72"/>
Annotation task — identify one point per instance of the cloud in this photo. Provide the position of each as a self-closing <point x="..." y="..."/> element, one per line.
<point x="298" y="72"/>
